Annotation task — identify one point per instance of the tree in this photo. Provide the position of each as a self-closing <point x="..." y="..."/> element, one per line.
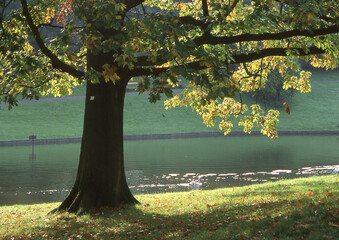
<point x="273" y="90"/>
<point x="222" y="48"/>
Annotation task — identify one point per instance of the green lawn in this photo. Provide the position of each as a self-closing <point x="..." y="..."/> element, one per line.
<point x="317" y="110"/>
<point x="305" y="208"/>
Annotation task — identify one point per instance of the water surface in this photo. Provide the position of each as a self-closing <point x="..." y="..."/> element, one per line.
<point x="169" y="165"/>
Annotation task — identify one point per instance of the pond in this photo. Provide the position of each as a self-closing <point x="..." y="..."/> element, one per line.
<point x="169" y="165"/>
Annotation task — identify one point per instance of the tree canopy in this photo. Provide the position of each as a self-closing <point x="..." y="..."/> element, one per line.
<point x="221" y="47"/>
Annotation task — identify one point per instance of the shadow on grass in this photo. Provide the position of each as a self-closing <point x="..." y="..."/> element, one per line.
<point x="309" y="212"/>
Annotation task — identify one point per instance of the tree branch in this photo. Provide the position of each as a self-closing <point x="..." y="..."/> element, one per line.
<point x="248" y="57"/>
<point x="192" y="21"/>
<point x="143" y="9"/>
<point x="209" y="39"/>
<point x="237" y="59"/>
<point x="143" y="61"/>
<point x="204" y="8"/>
<point x="49" y="25"/>
<point x="156" y="71"/>
<point x="199" y="23"/>
<point x="132" y="3"/>
<point x="327" y="19"/>
<point x="321" y="16"/>
<point x="56" y="62"/>
<point x="233" y="6"/>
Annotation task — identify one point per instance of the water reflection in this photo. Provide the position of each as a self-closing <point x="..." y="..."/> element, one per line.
<point x="169" y="165"/>
<point x="190" y="181"/>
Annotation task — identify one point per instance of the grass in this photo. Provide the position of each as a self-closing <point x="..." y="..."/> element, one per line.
<point x="305" y="208"/>
<point x="314" y="111"/>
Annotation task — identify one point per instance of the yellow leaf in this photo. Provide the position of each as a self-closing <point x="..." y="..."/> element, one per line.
<point x="109" y="73"/>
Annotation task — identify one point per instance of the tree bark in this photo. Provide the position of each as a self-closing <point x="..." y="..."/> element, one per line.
<point x="101" y="180"/>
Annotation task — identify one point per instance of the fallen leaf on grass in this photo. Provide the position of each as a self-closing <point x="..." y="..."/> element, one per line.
<point x="303" y="225"/>
<point x="333" y="224"/>
<point x="211" y="205"/>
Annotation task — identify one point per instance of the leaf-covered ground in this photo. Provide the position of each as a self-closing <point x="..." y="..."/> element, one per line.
<point x="305" y="208"/>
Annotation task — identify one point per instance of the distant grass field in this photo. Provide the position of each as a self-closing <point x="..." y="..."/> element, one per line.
<point x="317" y="110"/>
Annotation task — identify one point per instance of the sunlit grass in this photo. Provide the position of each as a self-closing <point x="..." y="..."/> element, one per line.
<point x="290" y="209"/>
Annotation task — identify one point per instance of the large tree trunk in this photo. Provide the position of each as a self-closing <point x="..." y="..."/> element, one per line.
<point x="101" y="177"/>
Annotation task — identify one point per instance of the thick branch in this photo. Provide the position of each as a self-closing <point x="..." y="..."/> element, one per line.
<point x="209" y="39"/>
<point x="143" y="61"/>
<point x="237" y="58"/>
<point x="56" y="62"/>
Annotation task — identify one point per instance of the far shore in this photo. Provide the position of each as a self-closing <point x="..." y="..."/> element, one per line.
<point x="166" y="136"/>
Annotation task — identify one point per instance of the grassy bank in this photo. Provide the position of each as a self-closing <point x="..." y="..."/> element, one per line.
<point x="290" y="209"/>
<point x="317" y="110"/>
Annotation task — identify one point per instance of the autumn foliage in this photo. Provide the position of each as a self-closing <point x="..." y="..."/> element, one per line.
<point x="287" y="108"/>
<point x="64" y="10"/>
